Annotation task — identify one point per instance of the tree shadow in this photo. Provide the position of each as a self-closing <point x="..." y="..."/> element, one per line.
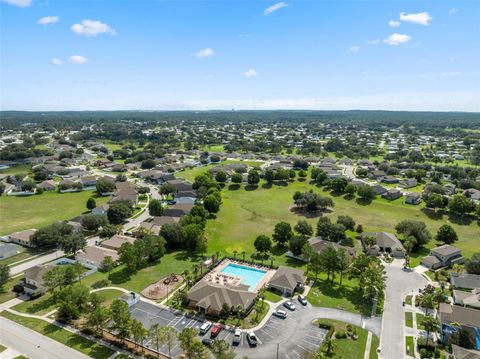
<point x="432" y="214"/>
<point x="41" y="305"/>
<point x="363" y="201"/>
<point x="460" y="220"/>
<point x="292" y="262"/>
<point x="278" y="251"/>
<point x="303" y="213"/>
<point x="186" y="256"/>
<point x="234" y="187"/>
<point x="335" y="193"/>
<point x="349" y="197"/>
<point x="281" y="183"/>
<point x="301" y="179"/>
<point x="267" y="185"/>
<point x="120" y="276"/>
<point x="251" y="187"/>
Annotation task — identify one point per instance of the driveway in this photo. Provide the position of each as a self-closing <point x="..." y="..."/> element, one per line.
<point x="400" y="282"/>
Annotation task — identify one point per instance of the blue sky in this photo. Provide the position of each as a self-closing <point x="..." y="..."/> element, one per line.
<point x="170" y="55"/>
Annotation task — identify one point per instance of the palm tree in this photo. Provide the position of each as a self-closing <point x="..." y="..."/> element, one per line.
<point x="139" y="333"/>
<point x="235" y="254"/>
<point x="155" y="334"/>
<point x="427" y="300"/>
<point x="217" y="255"/>
<point x="185" y="275"/>
<point x="431" y="325"/>
<point x="243" y="255"/>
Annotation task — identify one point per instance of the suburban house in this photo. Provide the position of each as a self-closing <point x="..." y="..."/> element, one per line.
<point x="465" y="280"/>
<point x="156" y="224"/>
<point x="116" y="241"/>
<point x="210" y="297"/>
<point x="94" y="256"/>
<point x="473" y="194"/>
<point x="462" y="353"/>
<point x="88" y="181"/>
<point x="100" y="210"/>
<point x="379" y="190"/>
<point x="467" y="299"/>
<point x="385" y="242"/>
<point x="413" y="198"/>
<point x="318" y="244"/>
<point x="453" y="317"/>
<point x="178" y="210"/>
<point x="392" y="194"/>
<point x="48" y="185"/>
<point x="443" y="256"/>
<point x="8" y="250"/>
<point x="125" y="191"/>
<point x="154" y="176"/>
<point x="180" y="186"/>
<point x="408" y="183"/>
<point x="286" y="280"/>
<point x="22" y="237"/>
<point x="33" y="282"/>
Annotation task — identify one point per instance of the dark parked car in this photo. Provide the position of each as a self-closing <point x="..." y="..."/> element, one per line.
<point x="207" y="342"/>
<point x="252" y="339"/>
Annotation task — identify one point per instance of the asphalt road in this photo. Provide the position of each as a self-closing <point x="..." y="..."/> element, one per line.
<point x="400" y="282"/>
<point x="33" y="344"/>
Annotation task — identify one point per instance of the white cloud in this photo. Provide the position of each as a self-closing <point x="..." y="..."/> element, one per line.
<point x="207" y="52"/>
<point x="275" y="7"/>
<point x="373" y="42"/>
<point x="57" y="61"/>
<point x="421" y="18"/>
<point x="77" y="59"/>
<point x="48" y="20"/>
<point x="354" y="48"/>
<point x="397" y="39"/>
<point x="92" y="28"/>
<point x="250" y="73"/>
<point x="394" y="23"/>
<point x="19" y="3"/>
<point x="453" y="10"/>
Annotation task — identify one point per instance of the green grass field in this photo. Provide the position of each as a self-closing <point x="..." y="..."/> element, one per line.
<point x="409" y="319"/>
<point x="63" y="336"/>
<point x="272" y="297"/>
<point x="373" y="347"/>
<point x="409" y="346"/>
<point x="17" y="169"/>
<point x="420" y="318"/>
<point x="19" y="213"/>
<point x="347" y="348"/>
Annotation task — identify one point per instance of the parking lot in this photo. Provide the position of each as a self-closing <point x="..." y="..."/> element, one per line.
<point x="295" y="335"/>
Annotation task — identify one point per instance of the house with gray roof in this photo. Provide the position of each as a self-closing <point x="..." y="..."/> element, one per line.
<point x="462" y="353"/>
<point x="385" y="242"/>
<point x="21" y="237"/>
<point x="318" y="244"/>
<point x="465" y="280"/>
<point x="453" y="317"/>
<point x="210" y="297"/>
<point x="286" y="280"/>
<point x="443" y="256"/>
<point x="33" y="283"/>
<point x="467" y="298"/>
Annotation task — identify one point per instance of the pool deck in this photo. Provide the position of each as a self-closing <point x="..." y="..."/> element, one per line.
<point x="217" y="276"/>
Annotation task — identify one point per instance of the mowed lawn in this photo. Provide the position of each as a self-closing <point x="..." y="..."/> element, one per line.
<point x="19" y="213"/>
<point x="245" y="214"/>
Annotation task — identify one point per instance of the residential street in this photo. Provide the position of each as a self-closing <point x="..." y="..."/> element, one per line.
<point x="32" y="344"/>
<point x="400" y="282"/>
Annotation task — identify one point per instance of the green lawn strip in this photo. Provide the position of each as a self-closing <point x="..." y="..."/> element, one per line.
<point x="61" y="335"/>
<point x="373" y="347"/>
<point x="39" y="306"/>
<point x="6" y="293"/>
<point x="109" y="295"/>
<point x="347" y="348"/>
<point x="408" y="299"/>
<point x="272" y="297"/>
<point x="347" y="297"/>
<point x="409" y="346"/>
<point x="420" y="318"/>
<point x="17" y="169"/>
<point x="19" y="213"/>
<point x="23" y="254"/>
<point x="409" y="319"/>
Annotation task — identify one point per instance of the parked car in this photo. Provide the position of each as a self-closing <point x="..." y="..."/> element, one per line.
<point x="289" y="305"/>
<point x="205" y="327"/>
<point x="207" y="342"/>
<point x="215" y="330"/>
<point x="237" y="337"/>
<point x="302" y="299"/>
<point x="280" y="313"/>
<point x="252" y="339"/>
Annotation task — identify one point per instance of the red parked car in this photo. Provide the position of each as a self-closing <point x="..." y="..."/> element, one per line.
<point x="216" y="329"/>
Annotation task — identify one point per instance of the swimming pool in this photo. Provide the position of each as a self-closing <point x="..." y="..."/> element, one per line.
<point x="249" y="276"/>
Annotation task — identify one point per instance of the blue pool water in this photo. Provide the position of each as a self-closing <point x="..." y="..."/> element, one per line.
<point x="250" y="276"/>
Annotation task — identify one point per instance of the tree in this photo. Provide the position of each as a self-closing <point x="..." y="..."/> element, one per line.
<point x="107" y="264"/>
<point x="350" y="189"/>
<point x="129" y="255"/>
<point x="303" y="228"/>
<point x="188" y="343"/>
<point x="347" y="221"/>
<point x="51" y="236"/>
<point x="237" y="178"/>
<point x="253" y="177"/>
<point x="472" y="265"/>
<point x="446" y="234"/>
<point x="121" y="319"/>
<point x="282" y="233"/>
<point x="296" y="245"/>
<point x="92" y="222"/>
<point x="73" y="242"/>
<point x="339" y="184"/>
<point x="414" y="229"/>
<point x="72" y="301"/>
<point x="464" y="338"/>
<point x="121" y="177"/>
<point x="173" y="234"/>
<point x="372" y="281"/>
<point x="119" y="211"/>
<point x="269" y="176"/>
<point x="315" y="263"/>
<point x="167" y="337"/>
<point x="148" y="163"/>
<point x="431" y="325"/>
<point x="138" y="331"/>
<point x="212" y="203"/>
<point x="54" y="279"/>
<point x="221" y="177"/>
<point x="343" y="262"/>
<point x="91" y="203"/>
<point x="194" y="238"/>
<point x="4" y="275"/>
<point x="307" y="252"/>
<point x="328" y="260"/>
<point x="155" y="207"/>
<point x="98" y="318"/>
<point x="108" y="230"/>
<point x="104" y="186"/>
<point x="263" y="243"/>
<point x="461" y="205"/>
<point x="434" y="200"/>
<point x="366" y="192"/>
<point x="2" y="188"/>
<point x="222" y="350"/>
<point x="167" y="188"/>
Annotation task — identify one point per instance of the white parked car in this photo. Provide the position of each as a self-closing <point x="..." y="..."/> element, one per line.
<point x="289" y="305"/>
<point x="205" y="327"/>
<point x="237" y="337"/>
<point x="280" y="313"/>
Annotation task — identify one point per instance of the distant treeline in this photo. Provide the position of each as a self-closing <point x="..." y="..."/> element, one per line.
<point x="374" y="119"/>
